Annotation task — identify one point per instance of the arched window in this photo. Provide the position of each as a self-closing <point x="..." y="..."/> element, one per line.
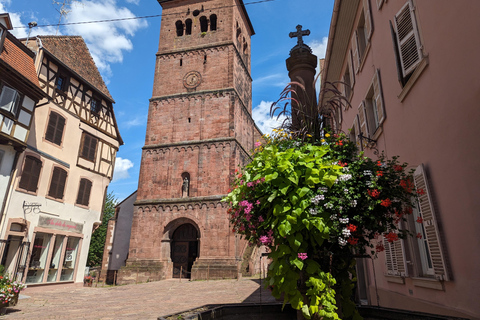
<point x="179" y="26"/>
<point x="188" y="27"/>
<point x="213" y="22"/>
<point x="245" y="46"/>
<point x="203" y="24"/>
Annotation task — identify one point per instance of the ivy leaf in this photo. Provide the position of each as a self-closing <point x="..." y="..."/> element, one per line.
<point x="302" y="191"/>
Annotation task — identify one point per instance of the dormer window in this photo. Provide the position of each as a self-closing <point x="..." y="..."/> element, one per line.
<point x="95" y="106"/>
<point x="61" y="83"/>
<point x="9" y="99"/>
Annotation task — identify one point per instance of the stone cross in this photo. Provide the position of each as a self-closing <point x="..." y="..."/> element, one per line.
<point x="299" y="34"/>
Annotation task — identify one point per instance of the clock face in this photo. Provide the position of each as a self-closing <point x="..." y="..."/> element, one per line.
<point x="192" y="79"/>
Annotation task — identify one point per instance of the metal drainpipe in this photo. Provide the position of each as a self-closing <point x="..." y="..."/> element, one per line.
<point x="7" y="193"/>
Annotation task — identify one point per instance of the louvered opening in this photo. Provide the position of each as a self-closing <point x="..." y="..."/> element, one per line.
<point x="56" y="124"/>
<point x="30" y="174"/>
<point x="404" y="23"/>
<point x="57" y="185"/>
<point x="89" y="147"/>
<point x="409" y="52"/>
<point x="84" y="189"/>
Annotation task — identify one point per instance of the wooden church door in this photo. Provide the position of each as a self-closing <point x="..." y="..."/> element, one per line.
<point x="184" y="250"/>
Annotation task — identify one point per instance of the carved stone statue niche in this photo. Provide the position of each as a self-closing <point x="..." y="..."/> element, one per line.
<point x="185" y="186"/>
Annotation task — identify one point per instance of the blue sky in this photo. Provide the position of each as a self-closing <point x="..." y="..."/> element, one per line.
<point x="124" y="52"/>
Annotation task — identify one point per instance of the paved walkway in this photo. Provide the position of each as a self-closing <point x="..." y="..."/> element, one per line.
<point x="142" y="301"/>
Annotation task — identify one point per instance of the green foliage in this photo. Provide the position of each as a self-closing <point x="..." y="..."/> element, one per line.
<point x="97" y="244"/>
<point x="314" y="204"/>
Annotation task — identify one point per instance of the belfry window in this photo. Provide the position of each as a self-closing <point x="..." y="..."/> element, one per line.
<point x="179" y="26"/>
<point x="188" y="27"/>
<point x="203" y="24"/>
<point x="213" y="22"/>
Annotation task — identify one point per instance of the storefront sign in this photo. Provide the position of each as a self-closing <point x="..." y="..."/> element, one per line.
<point x="59" y="224"/>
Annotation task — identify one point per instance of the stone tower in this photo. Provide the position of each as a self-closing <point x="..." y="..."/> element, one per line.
<point x="199" y="130"/>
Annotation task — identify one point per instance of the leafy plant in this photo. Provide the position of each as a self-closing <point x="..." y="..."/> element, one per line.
<point x="9" y="288"/>
<point x="317" y="204"/>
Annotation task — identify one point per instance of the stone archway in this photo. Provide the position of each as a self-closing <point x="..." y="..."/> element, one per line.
<point x="184" y="250"/>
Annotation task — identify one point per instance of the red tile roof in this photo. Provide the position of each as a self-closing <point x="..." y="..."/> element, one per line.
<point x="73" y="52"/>
<point x="19" y="60"/>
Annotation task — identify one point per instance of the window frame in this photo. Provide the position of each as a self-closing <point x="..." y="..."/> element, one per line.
<point x="39" y="161"/>
<point x="360" y="42"/>
<point x="95" y="105"/>
<point x="54" y="194"/>
<point x="15" y="103"/>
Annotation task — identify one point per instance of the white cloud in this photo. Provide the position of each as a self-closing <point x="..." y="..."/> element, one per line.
<point x="137" y="2"/>
<point x="137" y="121"/>
<point x="261" y="115"/>
<point x="319" y="48"/>
<point x="106" y="41"/>
<point x="272" y="80"/>
<point x="121" y="169"/>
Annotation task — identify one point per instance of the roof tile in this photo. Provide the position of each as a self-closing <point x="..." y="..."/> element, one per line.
<point x="19" y="60"/>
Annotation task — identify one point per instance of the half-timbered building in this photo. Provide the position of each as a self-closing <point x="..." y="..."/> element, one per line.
<point x="61" y="179"/>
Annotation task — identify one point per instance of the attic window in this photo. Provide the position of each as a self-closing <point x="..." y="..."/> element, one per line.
<point x="95" y="106"/>
<point x="61" y="83"/>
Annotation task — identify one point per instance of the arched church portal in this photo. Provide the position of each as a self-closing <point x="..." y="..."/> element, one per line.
<point x="184" y="250"/>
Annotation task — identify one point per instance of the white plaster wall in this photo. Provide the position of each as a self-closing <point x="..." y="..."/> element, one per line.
<point x="5" y="169"/>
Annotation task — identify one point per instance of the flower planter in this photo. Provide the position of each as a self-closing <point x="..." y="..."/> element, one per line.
<point x="13" y="302"/>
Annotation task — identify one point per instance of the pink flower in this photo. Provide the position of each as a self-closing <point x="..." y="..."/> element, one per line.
<point x="260" y="219"/>
<point x="302" y="255"/>
<point x="264" y="239"/>
<point x="250" y="184"/>
<point x="258" y="202"/>
<point x="257" y="144"/>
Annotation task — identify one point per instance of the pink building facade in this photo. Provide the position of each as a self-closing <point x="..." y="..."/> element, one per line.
<point x="409" y="70"/>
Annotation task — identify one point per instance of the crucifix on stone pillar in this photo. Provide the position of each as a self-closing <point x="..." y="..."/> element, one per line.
<point x="299" y="34"/>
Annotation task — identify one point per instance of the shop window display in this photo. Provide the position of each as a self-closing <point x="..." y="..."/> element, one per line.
<point x="55" y="260"/>
<point x="38" y="259"/>
<point x="70" y="259"/>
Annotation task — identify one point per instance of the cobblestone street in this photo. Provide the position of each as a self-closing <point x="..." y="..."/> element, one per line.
<point x="142" y="301"/>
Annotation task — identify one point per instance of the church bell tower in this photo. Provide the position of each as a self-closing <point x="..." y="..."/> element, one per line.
<point x="199" y="130"/>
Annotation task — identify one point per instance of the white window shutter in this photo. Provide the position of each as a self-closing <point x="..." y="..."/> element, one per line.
<point x="394" y="257"/>
<point x="368" y="19"/>
<point x="408" y="38"/>
<point x="356" y="126"/>
<point x="350" y="67"/>
<point x="356" y="58"/>
<point x="362" y="119"/>
<point x="430" y="224"/>
<point x="378" y="97"/>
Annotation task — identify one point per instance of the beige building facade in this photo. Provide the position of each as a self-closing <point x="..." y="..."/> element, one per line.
<point x="59" y="185"/>
<point x="409" y="71"/>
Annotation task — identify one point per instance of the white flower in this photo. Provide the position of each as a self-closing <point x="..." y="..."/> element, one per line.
<point x="346" y="169"/>
<point x="328" y="205"/>
<point x="317" y="198"/>
<point x="354" y="203"/>
<point x="345" y="190"/>
<point x="322" y="189"/>
<point x="342" y="241"/>
<point x="343" y="220"/>
<point x="333" y="217"/>
<point x="344" y="177"/>
<point x="346" y="232"/>
<point x="313" y="211"/>
<point x="367" y="172"/>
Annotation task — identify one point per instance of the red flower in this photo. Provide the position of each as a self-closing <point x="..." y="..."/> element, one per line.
<point x="352" y="227"/>
<point x="229" y="190"/>
<point x="374" y="193"/>
<point x="419" y="235"/>
<point x="352" y="241"/>
<point x="379" y="163"/>
<point x="236" y="170"/>
<point x="408" y="210"/>
<point x="379" y="247"/>
<point x="397" y="168"/>
<point x="419" y="219"/>
<point x="407" y="185"/>
<point x="420" y="192"/>
<point x="379" y="174"/>
<point x="392" y="236"/>
<point x="240" y="175"/>
<point x="386" y="203"/>
<point x="342" y="164"/>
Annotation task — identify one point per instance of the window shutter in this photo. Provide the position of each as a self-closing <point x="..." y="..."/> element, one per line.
<point x="368" y="19"/>
<point x="378" y="97"/>
<point x="430" y="224"/>
<point x="26" y="173"/>
<point x="81" y="192"/>
<point x="362" y="119"/>
<point x="350" y="67"/>
<point x="92" y="148"/>
<point x="394" y="259"/>
<point x="357" y="132"/>
<point x="56" y="124"/>
<point x="356" y="61"/>
<point x="57" y="185"/>
<point x="86" y="145"/>
<point x="379" y="4"/>
<point x="59" y="130"/>
<point x="396" y="50"/>
<point x="30" y="174"/>
<point x="84" y="189"/>
<point x="408" y="38"/>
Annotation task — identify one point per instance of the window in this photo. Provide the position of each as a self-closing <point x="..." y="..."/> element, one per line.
<point x="179" y="27"/>
<point x="95" y="106"/>
<point x="213" y="22"/>
<point x="371" y="111"/>
<point x="347" y="83"/>
<point x="203" y="24"/>
<point x="61" y="83"/>
<point x="245" y="46"/>
<point x="407" y="38"/>
<point x="361" y="36"/>
<point x="431" y="255"/>
<point x="88" y="147"/>
<point x="30" y="174"/>
<point x="83" y="196"/>
<point x="9" y="99"/>
<point x="395" y="257"/>
<point x="354" y="132"/>
<point x="188" y="27"/>
<point x="57" y="185"/>
<point x="54" y="133"/>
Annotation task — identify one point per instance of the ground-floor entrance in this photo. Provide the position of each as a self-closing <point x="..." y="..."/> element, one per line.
<point x="184" y="250"/>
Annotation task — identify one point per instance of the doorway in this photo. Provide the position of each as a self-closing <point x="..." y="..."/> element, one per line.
<point x="184" y="250"/>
